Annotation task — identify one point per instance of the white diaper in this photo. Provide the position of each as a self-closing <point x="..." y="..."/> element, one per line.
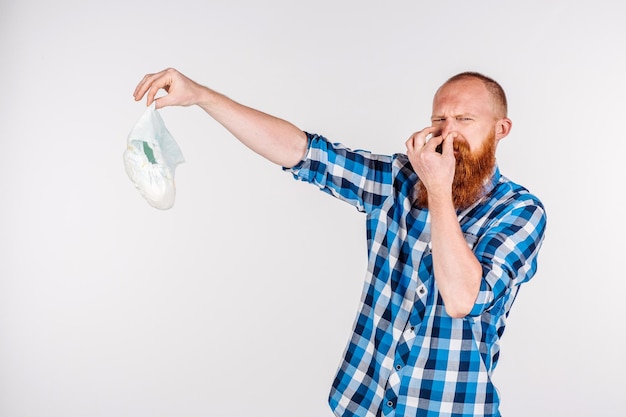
<point x="151" y="158"/>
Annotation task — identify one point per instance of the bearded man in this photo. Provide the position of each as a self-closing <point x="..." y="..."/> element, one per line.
<point x="450" y="240"/>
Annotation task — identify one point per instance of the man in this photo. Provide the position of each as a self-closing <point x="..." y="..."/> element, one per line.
<point x="450" y="241"/>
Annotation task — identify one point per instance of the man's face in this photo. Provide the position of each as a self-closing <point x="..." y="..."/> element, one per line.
<point x="465" y="107"/>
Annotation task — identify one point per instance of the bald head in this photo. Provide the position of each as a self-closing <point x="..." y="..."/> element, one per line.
<point x="495" y="90"/>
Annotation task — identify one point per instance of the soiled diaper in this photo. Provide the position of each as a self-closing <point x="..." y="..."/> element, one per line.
<point x="151" y="157"/>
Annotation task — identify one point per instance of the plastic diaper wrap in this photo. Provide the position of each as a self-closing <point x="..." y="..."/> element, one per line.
<point x="151" y="158"/>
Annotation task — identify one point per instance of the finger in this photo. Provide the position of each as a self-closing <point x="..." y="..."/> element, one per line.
<point x="152" y="92"/>
<point x="433" y="143"/>
<point x="162" y="82"/>
<point x="143" y="86"/>
<point x="161" y="102"/>
<point x="410" y="143"/>
<point x="418" y="139"/>
<point x="447" y="147"/>
<point x="151" y="83"/>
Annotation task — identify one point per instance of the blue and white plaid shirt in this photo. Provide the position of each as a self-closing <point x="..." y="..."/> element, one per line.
<point x="406" y="356"/>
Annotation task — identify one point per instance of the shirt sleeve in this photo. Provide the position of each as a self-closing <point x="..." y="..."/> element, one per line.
<point x="508" y="250"/>
<point x="357" y="177"/>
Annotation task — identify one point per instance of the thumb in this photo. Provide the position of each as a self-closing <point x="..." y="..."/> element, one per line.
<point x="161" y="102"/>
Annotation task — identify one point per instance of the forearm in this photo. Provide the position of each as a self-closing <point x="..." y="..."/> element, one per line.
<point x="275" y="139"/>
<point x="457" y="272"/>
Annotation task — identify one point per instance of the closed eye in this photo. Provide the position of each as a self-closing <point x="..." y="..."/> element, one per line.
<point x="458" y="118"/>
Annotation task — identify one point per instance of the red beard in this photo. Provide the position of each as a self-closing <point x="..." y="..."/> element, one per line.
<point x="471" y="172"/>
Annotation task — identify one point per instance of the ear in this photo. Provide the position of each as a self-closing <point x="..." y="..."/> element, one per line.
<point x="503" y="127"/>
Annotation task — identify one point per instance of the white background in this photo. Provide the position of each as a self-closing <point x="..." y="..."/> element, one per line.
<point x="239" y="300"/>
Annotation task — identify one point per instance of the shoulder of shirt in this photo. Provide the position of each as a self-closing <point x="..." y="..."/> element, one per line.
<point x="512" y="191"/>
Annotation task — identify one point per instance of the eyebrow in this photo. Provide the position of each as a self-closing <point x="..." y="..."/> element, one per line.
<point x="441" y="116"/>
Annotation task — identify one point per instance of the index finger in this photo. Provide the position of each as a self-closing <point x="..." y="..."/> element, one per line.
<point x="148" y="84"/>
<point x="141" y="88"/>
<point x="418" y="139"/>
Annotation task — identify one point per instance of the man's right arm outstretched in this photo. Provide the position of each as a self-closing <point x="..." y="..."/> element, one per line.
<point x="275" y="139"/>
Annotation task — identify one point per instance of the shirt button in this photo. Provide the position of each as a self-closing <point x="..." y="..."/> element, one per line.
<point x="412" y="328"/>
<point x="398" y="367"/>
<point x="390" y="403"/>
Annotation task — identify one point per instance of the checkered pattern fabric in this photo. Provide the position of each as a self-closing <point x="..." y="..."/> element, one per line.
<point x="406" y="356"/>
